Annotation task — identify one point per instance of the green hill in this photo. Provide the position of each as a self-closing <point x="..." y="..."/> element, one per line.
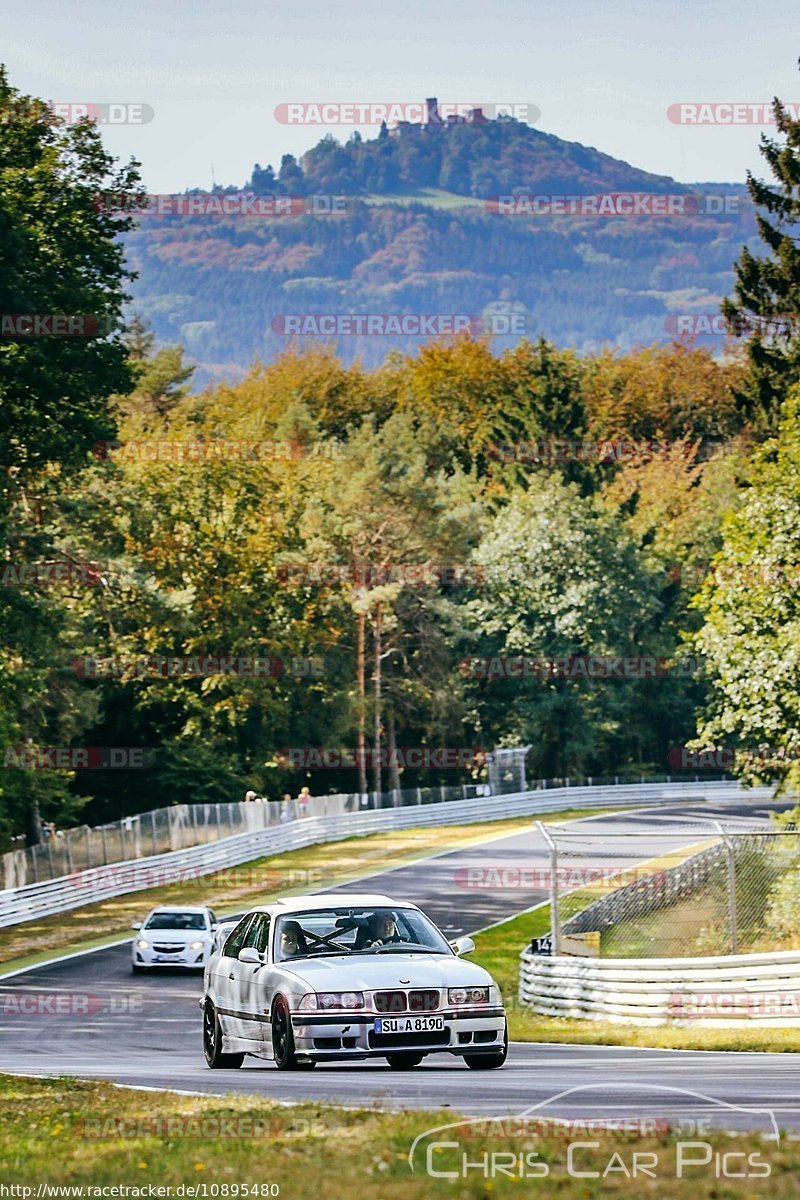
<point x="417" y="231"/>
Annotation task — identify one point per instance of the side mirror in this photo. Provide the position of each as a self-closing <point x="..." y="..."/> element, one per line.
<point x="250" y="956"/>
<point x="463" y="945"/>
<point x="136" y="925"/>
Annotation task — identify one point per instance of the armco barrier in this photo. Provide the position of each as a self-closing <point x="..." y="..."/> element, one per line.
<point x="117" y="879"/>
<point x="722" y="992"/>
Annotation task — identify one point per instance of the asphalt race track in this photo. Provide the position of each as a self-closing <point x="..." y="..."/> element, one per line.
<point x="145" y="1030"/>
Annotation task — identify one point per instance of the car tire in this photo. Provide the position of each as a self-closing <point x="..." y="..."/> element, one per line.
<point x="490" y="1061"/>
<point x="404" y="1062"/>
<point x="283" y="1037"/>
<point x="212" y="1042"/>
<point x="137" y="970"/>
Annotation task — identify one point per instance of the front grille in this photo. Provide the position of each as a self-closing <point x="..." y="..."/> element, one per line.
<point x="168" y="949"/>
<point x="435" y="1037"/>
<point x="418" y="1000"/>
<point x="423" y="1000"/>
<point x="327" y="1043"/>
<point x="389" y="1002"/>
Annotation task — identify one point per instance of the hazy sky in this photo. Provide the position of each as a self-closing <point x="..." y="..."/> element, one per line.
<point x="602" y="72"/>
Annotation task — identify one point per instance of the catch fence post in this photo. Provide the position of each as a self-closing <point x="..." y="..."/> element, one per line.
<point x="732" y="914"/>
<point x="555" y="915"/>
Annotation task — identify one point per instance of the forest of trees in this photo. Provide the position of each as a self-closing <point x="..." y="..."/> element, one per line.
<point x="222" y="285"/>
<point x="376" y="530"/>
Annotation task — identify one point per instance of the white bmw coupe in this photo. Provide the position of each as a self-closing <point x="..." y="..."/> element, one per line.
<point x="340" y="977"/>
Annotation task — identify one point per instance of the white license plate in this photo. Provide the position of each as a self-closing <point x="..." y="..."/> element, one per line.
<point x="408" y="1024"/>
<point x="168" y="957"/>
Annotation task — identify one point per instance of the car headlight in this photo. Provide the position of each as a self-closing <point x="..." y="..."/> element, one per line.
<point x="468" y="995"/>
<point x="142" y="944"/>
<point x="314" y="1001"/>
<point x="197" y="945"/>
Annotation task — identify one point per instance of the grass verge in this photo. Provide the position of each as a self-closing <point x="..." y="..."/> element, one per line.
<point x="263" y="879"/>
<point x="92" y="1135"/>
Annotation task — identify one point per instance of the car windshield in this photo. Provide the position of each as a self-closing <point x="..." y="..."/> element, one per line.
<point x="175" y="920"/>
<point x="348" y="930"/>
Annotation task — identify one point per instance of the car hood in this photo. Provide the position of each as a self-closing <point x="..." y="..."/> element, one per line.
<point x="173" y="937"/>
<point x="363" y="973"/>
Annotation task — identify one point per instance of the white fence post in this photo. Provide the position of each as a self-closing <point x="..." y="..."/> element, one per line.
<point x="731" y="857"/>
<point x="555" y="915"/>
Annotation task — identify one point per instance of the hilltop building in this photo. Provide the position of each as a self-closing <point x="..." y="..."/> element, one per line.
<point x="435" y="122"/>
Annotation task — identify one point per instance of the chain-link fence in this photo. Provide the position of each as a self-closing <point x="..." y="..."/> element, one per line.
<point x="62" y="852"/>
<point x="183" y="825"/>
<point x="701" y="888"/>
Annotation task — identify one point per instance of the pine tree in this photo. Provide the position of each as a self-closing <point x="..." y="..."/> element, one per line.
<point x="767" y="304"/>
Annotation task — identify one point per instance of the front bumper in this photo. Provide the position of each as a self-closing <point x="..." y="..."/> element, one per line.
<point x="190" y="960"/>
<point x="352" y="1035"/>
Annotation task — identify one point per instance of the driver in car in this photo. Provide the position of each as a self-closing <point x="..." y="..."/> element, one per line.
<point x="292" y="940"/>
<point x="383" y="928"/>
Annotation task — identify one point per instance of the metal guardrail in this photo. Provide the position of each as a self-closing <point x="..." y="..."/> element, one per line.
<point x="725" y="991"/>
<point x="104" y="882"/>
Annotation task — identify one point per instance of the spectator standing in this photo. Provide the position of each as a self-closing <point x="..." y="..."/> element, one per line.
<point x="303" y="801"/>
